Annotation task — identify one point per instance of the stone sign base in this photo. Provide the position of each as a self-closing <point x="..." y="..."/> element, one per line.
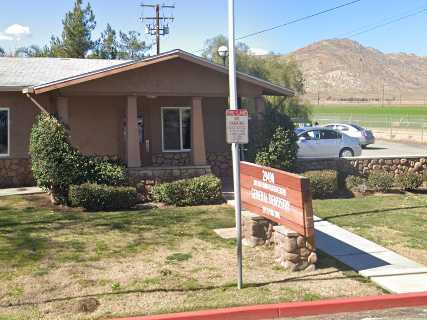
<point x="292" y="250"/>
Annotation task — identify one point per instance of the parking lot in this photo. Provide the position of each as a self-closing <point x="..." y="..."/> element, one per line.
<point x="388" y="148"/>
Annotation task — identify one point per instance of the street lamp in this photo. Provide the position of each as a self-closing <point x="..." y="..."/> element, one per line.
<point x="223" y="53"/>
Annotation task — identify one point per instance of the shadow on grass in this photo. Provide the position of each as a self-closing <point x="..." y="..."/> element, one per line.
<point x="306" y="277"/>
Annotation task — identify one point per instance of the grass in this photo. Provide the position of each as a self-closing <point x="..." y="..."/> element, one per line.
<point x="370" y="110"/>
<point x="398" y="222"/>
<point x="140" y="262"/>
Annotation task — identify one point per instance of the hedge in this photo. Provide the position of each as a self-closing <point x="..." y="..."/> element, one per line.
<point x="409" y="181"/>
<point x="356" y="183"/>
<point x="323" y="183"/>
<point x="189" y="192"/>
<point x="56" y="164"/>
<point x="98" y="197"/>
<point x="380" y="181"/>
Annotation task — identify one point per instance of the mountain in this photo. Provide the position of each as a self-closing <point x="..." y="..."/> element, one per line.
<point x="342" y="68"/>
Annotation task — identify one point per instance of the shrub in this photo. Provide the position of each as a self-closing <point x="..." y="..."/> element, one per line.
<point x="56" y="164"/>
<point x="98" y="197"/>
<point x="189" y="192"/>
<point x="425" y="175"/>
<point x="356" y="183"/>
<point x="323" y="183"/>
<point x="380" y="181"/>
<point x="409" y="181"/>
<point x="104" y="172"/>
<point x="273" y="141"/>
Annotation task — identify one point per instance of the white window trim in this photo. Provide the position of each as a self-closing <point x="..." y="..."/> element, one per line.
<point x="180" y="128"/>
<point x="4" y="155"/>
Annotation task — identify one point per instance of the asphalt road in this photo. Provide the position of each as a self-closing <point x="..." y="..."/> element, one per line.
<point x="388" y="148"/>
<point x="389" y="314"/>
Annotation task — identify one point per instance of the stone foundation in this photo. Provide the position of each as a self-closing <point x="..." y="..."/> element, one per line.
<point x="256" y="229"/>
<point x="221" y="163"/>
<point x="15" y="173"/>
<point x="152" y="175"/>
<point x="292" y="250"/>
<point x="171" y="159"/>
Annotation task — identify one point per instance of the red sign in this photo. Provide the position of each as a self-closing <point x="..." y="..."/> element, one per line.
<point x="277" y="195"/>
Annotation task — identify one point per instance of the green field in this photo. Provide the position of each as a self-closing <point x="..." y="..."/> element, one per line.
<point x="370" y="110"/>
<point x="373" y="116"/>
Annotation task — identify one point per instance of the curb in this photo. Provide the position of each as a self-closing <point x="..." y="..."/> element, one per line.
<point x="298" y="309"/>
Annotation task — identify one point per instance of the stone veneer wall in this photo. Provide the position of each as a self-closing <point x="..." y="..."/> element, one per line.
<point x="152" y="175"/>
<point x="221" y="163"/>
<point x="171" y="159"/>
<point x="291" y="250"/>
<point x="365" y="165"/>
<point x="15" y="173"/>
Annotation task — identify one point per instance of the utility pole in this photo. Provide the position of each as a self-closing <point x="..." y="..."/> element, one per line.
<point x="235" y="146"/>
<point x="158" y="26"/>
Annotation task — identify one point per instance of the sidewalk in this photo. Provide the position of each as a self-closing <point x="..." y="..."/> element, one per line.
<point x="384" y="267"/>
<point x="20" y="191"/>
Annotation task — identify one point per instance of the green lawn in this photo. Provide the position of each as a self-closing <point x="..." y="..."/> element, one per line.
<point x="55" y="262"/>
<point x="398" y="222"/>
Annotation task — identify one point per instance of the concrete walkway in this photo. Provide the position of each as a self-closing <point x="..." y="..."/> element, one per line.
<point x="20" y="191"/>
<point x="384" y="267"/>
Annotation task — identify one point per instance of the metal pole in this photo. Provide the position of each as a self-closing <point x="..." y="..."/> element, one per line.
<point x="158" y="28"/>
<point x="235" y="146"/>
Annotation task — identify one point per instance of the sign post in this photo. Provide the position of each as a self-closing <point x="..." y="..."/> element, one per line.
<point x="235" y="146"/>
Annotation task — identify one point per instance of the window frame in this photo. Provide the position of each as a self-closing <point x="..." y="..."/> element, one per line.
<point x="4" y="155"/>
<point x="181" y="140"/>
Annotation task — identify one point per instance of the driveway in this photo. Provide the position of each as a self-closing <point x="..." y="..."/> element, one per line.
<point x="389" y="148"/>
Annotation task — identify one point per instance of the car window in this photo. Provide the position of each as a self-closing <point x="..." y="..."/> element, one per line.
<point x="342" y="128"/>
<point x="328" y="134"/>
<point x="330" y="126"/>
<point x="357" y="127"/>
<point x="311" y="135"/>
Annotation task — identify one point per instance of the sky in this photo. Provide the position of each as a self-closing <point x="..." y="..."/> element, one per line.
<point x="28" y="22"/>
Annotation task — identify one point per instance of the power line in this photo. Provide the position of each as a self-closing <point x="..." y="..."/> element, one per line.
<point x="383" y="24"/>
<point x="293" y="21"/>
<point x="299" y="19"/>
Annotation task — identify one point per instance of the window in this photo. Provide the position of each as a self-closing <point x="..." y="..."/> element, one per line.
<point x="329" y="134"/>
<point x="4" y="132"/>
<point x="176" y="129"/>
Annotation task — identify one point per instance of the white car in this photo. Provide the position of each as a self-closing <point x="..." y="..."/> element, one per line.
<point x="319" y="142"/>
<point x="364" y="136"/>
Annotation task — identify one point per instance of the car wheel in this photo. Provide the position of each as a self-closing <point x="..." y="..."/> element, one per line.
<point x="364" y="146"/>
<point x="346" y="152"/>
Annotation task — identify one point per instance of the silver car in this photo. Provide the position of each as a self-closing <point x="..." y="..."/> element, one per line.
<point x="319" y="142"/>
<point x="364" y="135"/>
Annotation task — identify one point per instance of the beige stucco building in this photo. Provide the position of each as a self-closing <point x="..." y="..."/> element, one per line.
<point x="163" y="116"/>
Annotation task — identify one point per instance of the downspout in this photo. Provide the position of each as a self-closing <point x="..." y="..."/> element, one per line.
<point x="26" y="92"/>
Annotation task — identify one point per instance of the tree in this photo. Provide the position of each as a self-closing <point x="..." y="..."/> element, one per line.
<point x="106" y="46"/>
<point x="131" y="45"/>
<point x="2" y="52"/>
<point x="32" y="51"/>
<point x="78" y="25"/>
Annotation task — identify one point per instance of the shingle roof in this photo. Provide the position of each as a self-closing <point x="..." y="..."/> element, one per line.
<point x="24" y="72"/>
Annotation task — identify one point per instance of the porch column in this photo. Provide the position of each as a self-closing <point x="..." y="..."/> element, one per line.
<point x="132" y="145"/>
<point x="259" y="107"/>
<point x="62" y="108"/>
<point x="198" y="133"/>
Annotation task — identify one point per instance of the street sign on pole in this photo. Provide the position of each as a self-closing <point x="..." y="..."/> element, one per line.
<point x="236" y="124"/>
<point x="235" y="146"/>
